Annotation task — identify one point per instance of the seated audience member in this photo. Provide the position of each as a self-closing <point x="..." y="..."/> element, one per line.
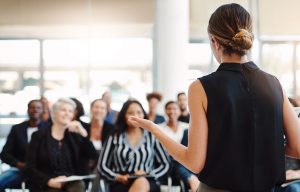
<point x="99" y="129"/>
<point x="292" y="167"/>
<point x="153" y="101"/>
<point x="79" y="112"/>
<point x="173" y="127"/>
<point x="98" y="132"/>
<point x="178" y="131"/>
<point x="54" y="153"/>
<point x="189" y="178"/>
<point x="182" y="102"/>
<point x="15" y="149"/>
<point x="129" y="156"/>
<point x="112" y="115"/>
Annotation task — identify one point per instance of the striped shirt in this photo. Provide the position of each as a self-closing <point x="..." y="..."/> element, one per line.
<point x="118" y="157"/>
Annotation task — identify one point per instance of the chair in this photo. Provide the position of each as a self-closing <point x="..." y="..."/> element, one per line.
<point x="103" y="186"/>
<point x="22" y="187"/>
<point x="173" y="184"/>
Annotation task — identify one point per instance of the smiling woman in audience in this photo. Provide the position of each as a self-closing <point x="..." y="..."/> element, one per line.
<point x="54" y="152"/>
<point x="132" y="151"/>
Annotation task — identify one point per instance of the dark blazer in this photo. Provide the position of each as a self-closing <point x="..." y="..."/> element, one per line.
<point x="15" y="148"/>
<point x="38" y="159"/>
<point x="89" y="165"/>
<point x="159" y="119"/>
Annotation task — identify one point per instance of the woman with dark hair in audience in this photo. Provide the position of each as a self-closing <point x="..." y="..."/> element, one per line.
<point x="177" y="130"/>
<point x="173" y="127"/>
<point x="153" y="100"/>
<point x="79" y="112"/>
<point x="55" y="152"/>
<point x="132" y="159"/>
<point x="98" y="132"/>
<point x="99" y="129"/>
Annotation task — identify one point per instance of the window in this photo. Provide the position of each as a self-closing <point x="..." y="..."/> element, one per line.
<point x="278" y="60"/>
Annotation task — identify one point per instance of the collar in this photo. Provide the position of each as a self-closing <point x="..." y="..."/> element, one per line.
<point x="237" y="66"/>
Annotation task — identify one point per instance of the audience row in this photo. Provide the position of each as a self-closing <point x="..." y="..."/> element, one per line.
<point x="54" y="144"/>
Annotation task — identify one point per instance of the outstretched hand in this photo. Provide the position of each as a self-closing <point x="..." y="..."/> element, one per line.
<point x="143" y="123"/>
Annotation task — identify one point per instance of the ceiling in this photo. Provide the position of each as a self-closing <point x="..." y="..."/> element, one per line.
<point x="130" y="18"/>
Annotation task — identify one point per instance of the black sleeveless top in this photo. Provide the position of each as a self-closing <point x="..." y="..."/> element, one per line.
<point x="245" y="149"/>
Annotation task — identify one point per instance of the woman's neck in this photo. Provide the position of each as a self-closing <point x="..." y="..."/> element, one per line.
<point x="34" y="122"/>
<point x="134" y="130"/>
<point x="58" y="131"/>
<point x="97" y="123"/>
<point x="151" y="115"/>
<point x="233" y="58"/>
<point x="173" y="124"/>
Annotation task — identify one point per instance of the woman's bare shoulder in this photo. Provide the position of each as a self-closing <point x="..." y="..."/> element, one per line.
<point x="197" y="93"/>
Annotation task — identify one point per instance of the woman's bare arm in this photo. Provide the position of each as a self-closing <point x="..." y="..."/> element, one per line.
<point x="292" y="129"/>
<point x="193" y="156"/>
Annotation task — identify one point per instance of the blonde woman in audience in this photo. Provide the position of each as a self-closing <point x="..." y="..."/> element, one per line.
<point x="54" y="152"/>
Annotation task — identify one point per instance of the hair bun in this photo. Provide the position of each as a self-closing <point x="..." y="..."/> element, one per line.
<point x="242" y="40"/>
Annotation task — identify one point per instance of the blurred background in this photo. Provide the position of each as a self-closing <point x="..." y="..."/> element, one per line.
<point x="82" y="48"/>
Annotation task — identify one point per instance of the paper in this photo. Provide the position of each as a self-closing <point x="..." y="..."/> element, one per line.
<point x="137" y="176"/>
<point x="75" y="178"/>
<point x="288" y="183"/>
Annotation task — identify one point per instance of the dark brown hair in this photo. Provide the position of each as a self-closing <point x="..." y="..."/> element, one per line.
<point x="179" y="94"/>
<point x="93" y="102"/>
<point x="293" y="101"/>
<point x="231" y="25"/>
<point x="169" y="103"/>
<point x="121" y="123"/>
<point x="155" y="95"/>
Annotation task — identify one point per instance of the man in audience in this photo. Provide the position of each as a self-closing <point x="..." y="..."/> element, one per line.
<point x="14" y="150"/>
<point x="112" y="115"/>
<point x="182" y="102"/>
<point x="45" y="109"/>
<point x="153" y="101"/>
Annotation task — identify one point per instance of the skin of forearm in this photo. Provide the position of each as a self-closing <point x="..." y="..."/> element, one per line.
<point x="178" y="151"/>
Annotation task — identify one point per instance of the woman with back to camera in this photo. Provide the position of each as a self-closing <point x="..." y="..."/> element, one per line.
<point x="239" y="115"/>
